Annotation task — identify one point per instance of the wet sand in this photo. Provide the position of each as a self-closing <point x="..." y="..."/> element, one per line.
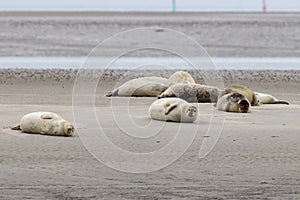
<point x="256" y="157"/>
<point x="221" y="34"/>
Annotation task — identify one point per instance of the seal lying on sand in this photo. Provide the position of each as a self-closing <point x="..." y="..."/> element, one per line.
<point x="193" y="93"/>
<point x="269" y="99"/>
<point x="150" y="86"/>
<point x="46" y="123"/>
<point x="173" y="109"/>
<point x="233" y="102"/>
<point x="142" y="87"/>
<point x="248" y="93"/>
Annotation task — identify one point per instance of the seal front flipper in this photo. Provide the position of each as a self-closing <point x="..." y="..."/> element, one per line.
<point x="47" y="116"/>
<point x="170" y="108"/>
<point x="16" y="127"/>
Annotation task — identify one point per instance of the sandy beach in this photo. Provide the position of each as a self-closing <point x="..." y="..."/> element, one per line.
<point x="256" y="157"/>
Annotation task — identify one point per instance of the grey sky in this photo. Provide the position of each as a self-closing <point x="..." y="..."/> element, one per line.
<point x="150" y="5"/>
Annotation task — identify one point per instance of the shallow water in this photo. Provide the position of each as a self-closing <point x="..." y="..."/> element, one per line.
<point x="149" y="5"/>
<point x="149" y="63"/>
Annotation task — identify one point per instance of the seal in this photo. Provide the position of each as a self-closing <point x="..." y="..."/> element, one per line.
<point x="150" y="86"/>
<point x="45" y="123"/>
<point x="173" y="110"/>
<point x="142" y="87"/>
<point x="192" y="93"/>
<point x="248" y="93"/>
<point x="234" y="102"/>
<point x="269" y="99"/>
<point x="182" y="77"/>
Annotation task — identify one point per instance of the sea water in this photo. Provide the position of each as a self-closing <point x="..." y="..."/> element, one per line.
<point x="219" y="63"/>
<point x="151" y="5"/>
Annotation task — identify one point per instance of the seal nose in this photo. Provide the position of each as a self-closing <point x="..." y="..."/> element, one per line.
<point x="70" y="130"/>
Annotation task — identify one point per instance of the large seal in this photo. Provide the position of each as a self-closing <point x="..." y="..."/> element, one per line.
<point x="193" y="93"/>
<point x="46" y="123"/>
<point x="269" y="99"/>
<point x="248" y="93"/>
<point x="174" y="110"/>
<point x="182" y="77"/>
<point x="142" y="87"/>
<point x="150" y="86"/>
<point x="233" y="102"/>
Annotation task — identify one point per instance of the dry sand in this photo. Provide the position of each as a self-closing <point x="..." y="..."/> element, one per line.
<point x="256" y="157"/>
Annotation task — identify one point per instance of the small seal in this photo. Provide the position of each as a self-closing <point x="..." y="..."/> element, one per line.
<point x="173" y="110"/>
<point x="269" y="99"/>
<point x="182" y="77"/>
<point x="248" y="93"/>
<point x="234" y="102"/>
<point x="46" y="123"/>
<point x="192" y="93"/>
<point x="150" y="86"/>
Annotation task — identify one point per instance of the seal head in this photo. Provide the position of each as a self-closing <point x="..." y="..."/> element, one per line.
<point x="234" y="102"/>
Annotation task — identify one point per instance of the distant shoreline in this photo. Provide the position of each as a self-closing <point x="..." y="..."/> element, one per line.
<point x="162" y="62"/>
<point x="53" y="13"/>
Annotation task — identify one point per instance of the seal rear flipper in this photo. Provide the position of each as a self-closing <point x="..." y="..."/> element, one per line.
<point x="108" y="94"/>
<point x="16" y="127"/>
<point x="112" y="93"/>
<point x="281" y="102"/>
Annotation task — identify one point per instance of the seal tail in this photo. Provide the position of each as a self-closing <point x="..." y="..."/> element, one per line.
<point x="281" y="102"/>
<point x="16" y="128"/>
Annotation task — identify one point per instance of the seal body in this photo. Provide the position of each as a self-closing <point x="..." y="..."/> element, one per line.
<point x="248" y="93"/>
<point x="182" y="77"/>
<point x="234" y="102"/>
<point x="47" y="123"/>
<point x="174" y="110"/>
<point x="142" y="87"/>
<point x="193" y="93"/>
<point x="268" y="99"/>
<point x="150" y="86"/>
